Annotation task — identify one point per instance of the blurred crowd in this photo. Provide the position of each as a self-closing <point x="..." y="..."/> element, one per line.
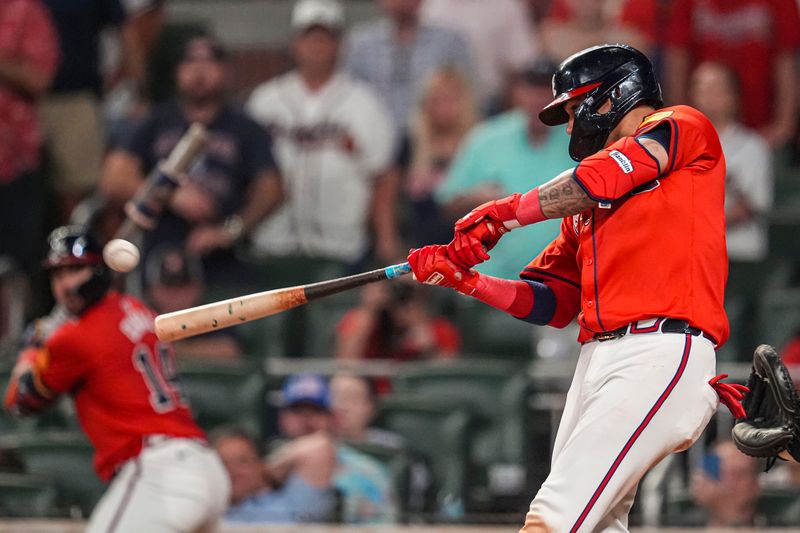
<point x="358" y="142"/>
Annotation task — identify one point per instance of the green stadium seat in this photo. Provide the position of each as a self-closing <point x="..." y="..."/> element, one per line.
<point x="224" y="393"/>
<point x="398" y="461"/>
<point x="63" y="457"/>
<point x="305" y="331"/>
<point x="777" y="506"/>
<point x="779" y="319"/>
<point x="441" y="431"/>
<point x="486" y="330"/>
<point x="27" y="496"/>
<point x="498" y="391"/>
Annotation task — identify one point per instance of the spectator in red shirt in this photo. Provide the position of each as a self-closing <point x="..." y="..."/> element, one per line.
<point x="28" y="60"/>
<point x="393" y="322"/>
<point x="758" y="39"/>
<point x="573" y="25"/>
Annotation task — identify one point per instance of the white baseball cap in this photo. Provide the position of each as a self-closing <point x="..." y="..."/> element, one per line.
<point x="326" y="13"/>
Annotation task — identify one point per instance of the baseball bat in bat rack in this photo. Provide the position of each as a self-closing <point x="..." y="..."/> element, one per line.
<point x="202" y="319"/>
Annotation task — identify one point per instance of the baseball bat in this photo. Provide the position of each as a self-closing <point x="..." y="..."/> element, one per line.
<point x="151" y="198"/>
<point x="225" y="313"/>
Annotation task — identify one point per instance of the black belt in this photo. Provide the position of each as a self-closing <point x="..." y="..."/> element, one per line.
<point x="664" y="325"/>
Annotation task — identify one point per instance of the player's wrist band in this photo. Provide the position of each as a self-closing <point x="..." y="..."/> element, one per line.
<point x="529" y="210"/>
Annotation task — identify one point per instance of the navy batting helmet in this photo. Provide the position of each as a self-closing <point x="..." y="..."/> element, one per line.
<point x="71" y="246"/>
<point x="614" y="72"/>
<point x="74" y="246"/>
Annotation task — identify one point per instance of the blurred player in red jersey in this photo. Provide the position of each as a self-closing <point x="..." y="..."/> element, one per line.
<point x="640" y="261"/>
<point x="103" y="351"/>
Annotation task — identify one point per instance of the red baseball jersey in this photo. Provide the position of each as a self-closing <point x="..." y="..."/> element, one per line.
<point x="658" y="251"/>
<point x="122" y="377"/>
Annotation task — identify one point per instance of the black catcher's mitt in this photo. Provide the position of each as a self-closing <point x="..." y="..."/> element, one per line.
<point x="772" y="426"/>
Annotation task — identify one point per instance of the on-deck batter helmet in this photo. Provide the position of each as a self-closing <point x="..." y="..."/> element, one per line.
<point x="74" y="246"/>
<point x="614" y="72"/>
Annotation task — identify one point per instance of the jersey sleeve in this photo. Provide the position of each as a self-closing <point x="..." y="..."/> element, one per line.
<point x="67" y="360"/>
<point x="693" y="140"/>
<point x="257" y="156"/>
<point x="140" y="142"/>
<point x="679" y="25"/>
<point x="616" y="170"/>
<point x="39" y="41"/>
<point x="787" y="25"/>
<point x="557" y="268"/>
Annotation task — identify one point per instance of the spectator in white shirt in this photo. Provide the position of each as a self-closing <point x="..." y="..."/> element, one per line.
<point x="749" y="181"/>
<point x="714" y="90"/>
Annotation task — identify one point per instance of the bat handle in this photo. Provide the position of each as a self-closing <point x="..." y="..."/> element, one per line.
<point x="395" y="271"/>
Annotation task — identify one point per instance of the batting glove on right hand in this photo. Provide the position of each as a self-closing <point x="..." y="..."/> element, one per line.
<point x="432" y="267"/>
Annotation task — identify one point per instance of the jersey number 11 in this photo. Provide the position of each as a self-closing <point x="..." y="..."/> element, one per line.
<point x="160" y="375"/>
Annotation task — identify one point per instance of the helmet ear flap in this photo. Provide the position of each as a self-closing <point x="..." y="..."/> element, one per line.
<point x="93" y="289"/>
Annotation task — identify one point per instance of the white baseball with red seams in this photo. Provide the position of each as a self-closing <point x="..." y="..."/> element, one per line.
<point x="121" y="255"/>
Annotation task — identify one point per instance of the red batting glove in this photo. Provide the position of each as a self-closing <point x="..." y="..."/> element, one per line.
<point x="480" y="230"/>
<point x="431" y="266"/>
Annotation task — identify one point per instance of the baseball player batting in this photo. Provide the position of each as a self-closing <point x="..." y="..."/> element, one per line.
<point x="105" y="354"/>
<point x="640" y="261"/>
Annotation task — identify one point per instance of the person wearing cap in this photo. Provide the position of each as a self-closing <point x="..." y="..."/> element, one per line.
<point x="396" y="54"/>
<point x="363" y="483"/>
<point x="234" y="186"/>
<point x="100" y="348"/>
<point x="174" y="280"/>
<point x="334" y="145"/>
<point x="292" y="486"/>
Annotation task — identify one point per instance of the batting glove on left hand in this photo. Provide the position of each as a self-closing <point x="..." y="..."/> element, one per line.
<point x="479" y="230"/>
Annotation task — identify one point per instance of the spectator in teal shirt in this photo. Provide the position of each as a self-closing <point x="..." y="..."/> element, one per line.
<point x="513" y="152"/>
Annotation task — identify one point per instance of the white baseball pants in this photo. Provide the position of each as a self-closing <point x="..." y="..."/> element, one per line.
<point x="633" y="401"/>
<point x="175" y="485"/>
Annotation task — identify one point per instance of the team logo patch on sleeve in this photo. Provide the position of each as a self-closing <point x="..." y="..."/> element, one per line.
<point x="622" y="160"/>
<point x="655" y="117"/>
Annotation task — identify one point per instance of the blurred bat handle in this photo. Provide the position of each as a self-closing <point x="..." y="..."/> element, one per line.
<point x="189" y="147"/>
<point x="145" y="208"/>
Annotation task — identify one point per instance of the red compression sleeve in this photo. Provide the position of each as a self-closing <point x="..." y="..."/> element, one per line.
<point x="514" y="297"/>
<point x="529" y="210"/>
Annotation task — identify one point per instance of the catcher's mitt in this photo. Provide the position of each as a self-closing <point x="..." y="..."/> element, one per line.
<point x="772" y="426"/>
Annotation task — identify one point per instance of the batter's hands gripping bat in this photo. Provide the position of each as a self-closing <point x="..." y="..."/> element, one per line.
<point x="202" y="319"/>
<point x="145" y="208"/>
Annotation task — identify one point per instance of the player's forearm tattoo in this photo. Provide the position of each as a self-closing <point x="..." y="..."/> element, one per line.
<point x="561" y="197"/>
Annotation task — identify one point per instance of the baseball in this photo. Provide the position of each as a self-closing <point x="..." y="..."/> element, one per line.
<point x="121" y="255"/>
